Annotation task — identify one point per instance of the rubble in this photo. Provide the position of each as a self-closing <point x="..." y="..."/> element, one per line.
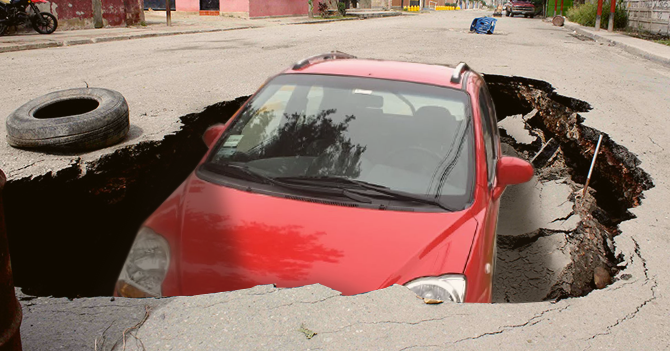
<point x="553" y="246"/>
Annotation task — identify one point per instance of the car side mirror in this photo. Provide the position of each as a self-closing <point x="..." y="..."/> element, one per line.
<point x="510" y="171"/>
<point x="213" y="133"/>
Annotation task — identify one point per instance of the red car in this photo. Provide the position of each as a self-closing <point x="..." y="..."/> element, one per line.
<point x="520" y="7"/>
<point x="353" y="173"/>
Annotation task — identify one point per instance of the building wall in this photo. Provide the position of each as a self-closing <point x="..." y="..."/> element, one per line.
<point x="264" y="8"/>
<point x="77" y="14"/>
<point x="114" y="12"/>
<point x="649" y="15"/>
<point x="380" y="4"/>
<point x="134" y="11"/>
<point x="188" y="5"/>
<point x="235" y="6"/>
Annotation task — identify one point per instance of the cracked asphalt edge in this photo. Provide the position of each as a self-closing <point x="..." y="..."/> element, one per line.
<point x="269" y="318"/>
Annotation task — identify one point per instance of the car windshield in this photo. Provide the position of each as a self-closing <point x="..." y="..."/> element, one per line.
<point x="407" y="137"/>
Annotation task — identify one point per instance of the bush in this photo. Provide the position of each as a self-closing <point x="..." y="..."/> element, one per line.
<point x="586" y="15"/>
<point x="342" y="8"/>
<point x="323" y="9"/>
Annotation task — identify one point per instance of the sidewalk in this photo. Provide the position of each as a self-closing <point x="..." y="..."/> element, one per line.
<point x="647" y="49"/>
<point x="182" y="23"/>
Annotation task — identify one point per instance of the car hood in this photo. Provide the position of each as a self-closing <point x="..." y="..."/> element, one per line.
<point x="522" y="4"/>
<point x="232" y="239"/>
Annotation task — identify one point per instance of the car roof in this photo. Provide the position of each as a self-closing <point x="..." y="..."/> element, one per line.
<point x="396" y="70"/>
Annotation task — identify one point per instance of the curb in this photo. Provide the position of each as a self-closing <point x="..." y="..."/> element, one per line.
<point x="320" y="21"/>
<point x="664" y="60"/>
<point x="355" y="17"/>
<point x="29" y="46"/>
<point x="72" y="42"/>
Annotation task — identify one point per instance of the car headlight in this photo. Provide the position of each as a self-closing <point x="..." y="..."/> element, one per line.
<point x="448" y="287"/>
<point x="146" y="266"/>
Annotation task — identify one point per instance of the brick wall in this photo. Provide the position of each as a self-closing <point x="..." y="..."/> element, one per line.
<point x="267" y="8"/>
<point x="80" y="14"/>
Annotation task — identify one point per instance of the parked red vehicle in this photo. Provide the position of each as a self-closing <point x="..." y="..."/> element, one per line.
<point x="520" y="7"/>
<point x="353" y="173"/>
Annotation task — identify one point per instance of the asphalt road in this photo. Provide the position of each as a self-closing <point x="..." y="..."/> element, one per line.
<point x="165" y="78"/>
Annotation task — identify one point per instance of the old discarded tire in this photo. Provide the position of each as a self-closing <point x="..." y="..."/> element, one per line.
<point x="558" y="21"/>
<point x="70" y="120"/>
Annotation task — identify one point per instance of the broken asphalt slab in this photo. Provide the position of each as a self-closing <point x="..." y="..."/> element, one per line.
<point x="268" y="318"/>
<point x="533" y="225"/>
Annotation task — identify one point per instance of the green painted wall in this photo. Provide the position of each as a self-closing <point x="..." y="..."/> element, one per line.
<point x="550" y="7"/>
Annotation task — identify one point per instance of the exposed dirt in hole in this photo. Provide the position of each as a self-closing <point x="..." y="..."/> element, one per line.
<point x="69" y="232"/>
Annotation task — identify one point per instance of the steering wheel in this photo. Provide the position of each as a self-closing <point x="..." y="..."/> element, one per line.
<point x="415" y="159"/>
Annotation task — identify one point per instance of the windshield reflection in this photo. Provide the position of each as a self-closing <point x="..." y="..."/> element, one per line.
<point x="408" y="137"/>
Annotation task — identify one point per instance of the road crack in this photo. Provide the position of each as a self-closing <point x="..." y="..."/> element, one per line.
<point x="303" y="302"/>
<point x="533" y="321"/>
<point x="392" y="322"/>
<point x="629" y="316"/>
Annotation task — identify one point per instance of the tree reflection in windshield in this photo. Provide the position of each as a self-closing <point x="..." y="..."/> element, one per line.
<point x="390" y="133"/>
<point x="316" y="136"/>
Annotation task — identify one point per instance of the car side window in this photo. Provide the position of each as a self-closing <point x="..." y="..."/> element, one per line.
<point x="490" y="132"/>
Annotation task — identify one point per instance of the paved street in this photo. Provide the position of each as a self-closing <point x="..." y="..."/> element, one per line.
<point x="165" y="78"/>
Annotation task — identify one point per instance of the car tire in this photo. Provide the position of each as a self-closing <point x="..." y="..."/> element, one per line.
<point x="511" y="14"/>
<point x="79" y="119"/>
<point x="532" y="16"/>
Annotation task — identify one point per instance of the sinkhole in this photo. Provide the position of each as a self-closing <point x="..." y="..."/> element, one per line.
<point x="69" y="232"/>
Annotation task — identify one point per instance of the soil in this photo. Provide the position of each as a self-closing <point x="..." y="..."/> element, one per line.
<point x="655" y="37"/>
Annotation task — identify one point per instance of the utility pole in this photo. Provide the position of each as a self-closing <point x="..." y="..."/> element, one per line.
<point x="168" y="14"/>
<point x="555" y="7"/>
<point x="599" y="13"/>
<point x="610" y="24"/>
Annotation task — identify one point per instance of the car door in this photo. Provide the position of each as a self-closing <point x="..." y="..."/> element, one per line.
<point x="491" y="138"/>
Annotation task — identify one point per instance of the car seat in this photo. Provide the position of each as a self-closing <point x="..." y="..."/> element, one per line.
<point x="437" y="128"/>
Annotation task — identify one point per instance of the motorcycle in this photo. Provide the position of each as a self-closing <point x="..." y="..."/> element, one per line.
<point x="16" y="12"/>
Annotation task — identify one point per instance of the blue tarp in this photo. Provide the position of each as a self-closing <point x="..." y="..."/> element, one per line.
<point x="483" y="25"/>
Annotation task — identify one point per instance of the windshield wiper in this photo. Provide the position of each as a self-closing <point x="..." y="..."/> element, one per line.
<point x="243" y="172"/>
<point x="363" y="188"/>
<point x="238" y="171"/>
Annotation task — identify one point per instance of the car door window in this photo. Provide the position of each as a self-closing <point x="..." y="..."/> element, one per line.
<point x="490" y="133"/>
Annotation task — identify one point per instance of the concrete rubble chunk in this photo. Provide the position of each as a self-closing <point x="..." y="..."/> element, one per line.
<point x="530" y="272"/>
<point x="537" y="204"/>
<point x="516" y="127"/>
